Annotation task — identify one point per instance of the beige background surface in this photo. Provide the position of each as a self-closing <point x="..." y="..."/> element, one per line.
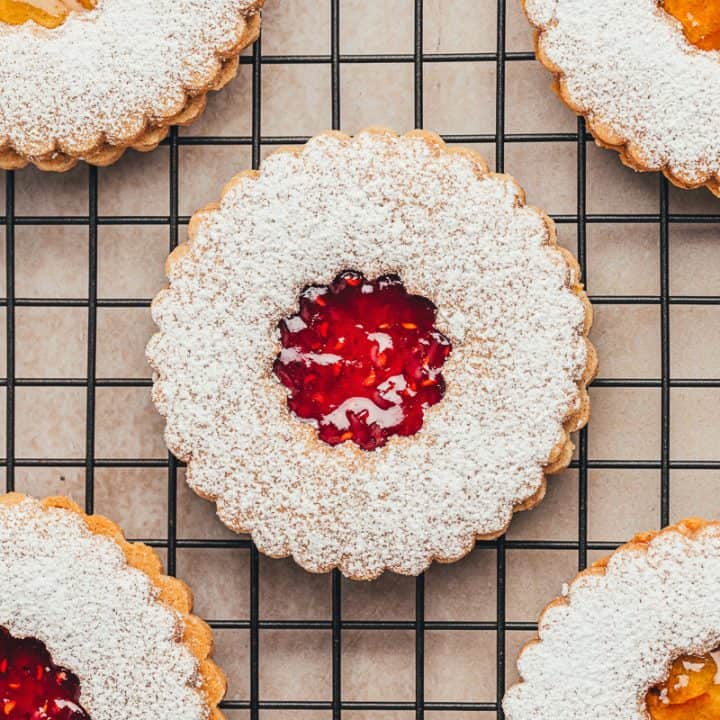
<point x="51" y="261"/>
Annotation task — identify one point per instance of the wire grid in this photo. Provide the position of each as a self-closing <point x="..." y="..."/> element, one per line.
<point x="336" y="705"/>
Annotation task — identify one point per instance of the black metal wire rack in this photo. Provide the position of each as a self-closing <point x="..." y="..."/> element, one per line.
<point x="336" y="706"/>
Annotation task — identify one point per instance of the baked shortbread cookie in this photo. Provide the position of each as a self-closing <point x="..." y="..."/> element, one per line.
<point x="645" y="75"/>
<point x="371" y="353"/>
<point x="632" y="637"/>
<point x="89" y="626"/>
<point x="80" y="81"/>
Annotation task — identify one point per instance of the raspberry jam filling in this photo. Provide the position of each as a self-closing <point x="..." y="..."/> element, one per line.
<point x="691" y="692"/>
<point x="700" y="19"/>
<point x="32" y="687"/>
<point x="47" y="13"/>
<point x="362" y="359"/>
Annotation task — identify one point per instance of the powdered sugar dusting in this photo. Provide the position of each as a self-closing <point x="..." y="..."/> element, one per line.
<point x="601" y="653"/>
<point x="103" y="73"/>
<point x="98" y="617"/>
<point x="379" y="205"/>
<point x="629" y="66"/>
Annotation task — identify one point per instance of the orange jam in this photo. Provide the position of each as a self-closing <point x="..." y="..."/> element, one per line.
<point x="701" y="20"/>
<point x="692" y="692"/>
<point x="48" y="13"/>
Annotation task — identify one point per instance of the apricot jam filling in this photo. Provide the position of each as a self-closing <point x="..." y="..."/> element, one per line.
<point x="691" y="692"/>
<point x="362" y="359"/>
<point x="32" y="687"/>
<point x="47" y="13"/>
<point x="701" y="20"/>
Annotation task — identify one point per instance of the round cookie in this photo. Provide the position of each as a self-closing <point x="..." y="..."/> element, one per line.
<point x="113" y="77"/>
<point x="605" y="648"/>
<point x="459" y="247"/>
<point x="642" y="78"/>
<point x="111" y="637"/>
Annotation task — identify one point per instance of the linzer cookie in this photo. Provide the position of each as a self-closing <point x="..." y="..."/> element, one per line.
<point x="632" y="638"/>
<point x="645" y="74"/>
<point x="371" y="353"/>
<point x="81" y="80"/>
<point x="90" y="628"/>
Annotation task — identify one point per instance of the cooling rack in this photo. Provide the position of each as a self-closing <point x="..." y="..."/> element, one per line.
<point x="257" y="703"/>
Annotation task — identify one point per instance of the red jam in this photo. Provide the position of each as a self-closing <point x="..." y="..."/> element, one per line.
<point x="362" y="359"/>
<point x="31" y="686"/>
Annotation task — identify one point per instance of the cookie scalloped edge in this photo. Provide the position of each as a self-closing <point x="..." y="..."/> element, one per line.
<point x="173" y="593"/>
<point x="575" y="418"/>
<point x="604" y="136"/>
<point x="640" y="543"/>
<point x="154" y="130"/>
